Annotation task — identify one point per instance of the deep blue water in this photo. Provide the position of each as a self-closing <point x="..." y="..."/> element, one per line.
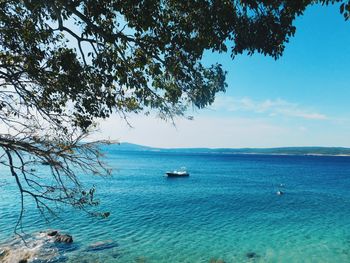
<point x="227" y="209"/>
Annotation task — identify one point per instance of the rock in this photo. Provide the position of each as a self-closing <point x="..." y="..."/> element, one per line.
<point x="251" y="255"/>
<point x="25" y="258"/>
<point x="102" y="245"/>
<point x="63" y="238"/>
<point x="116" y="255"/>
<point x="214" y="260"/>
<point x="140" y="260"/>
<point x="4" y="253"/>
<point x="52" y="233"/>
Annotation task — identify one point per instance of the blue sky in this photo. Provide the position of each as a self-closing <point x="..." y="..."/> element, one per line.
<point x="313" y="70"/>
<point x="299" y="100"/>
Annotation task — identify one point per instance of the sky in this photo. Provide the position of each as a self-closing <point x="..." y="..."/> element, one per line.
<point x="302" y="99"/>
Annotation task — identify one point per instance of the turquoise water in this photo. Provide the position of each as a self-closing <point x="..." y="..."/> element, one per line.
<point x="227" y="209"/>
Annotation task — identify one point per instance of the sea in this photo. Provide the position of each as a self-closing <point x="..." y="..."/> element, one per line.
<point x="227" y="210"/>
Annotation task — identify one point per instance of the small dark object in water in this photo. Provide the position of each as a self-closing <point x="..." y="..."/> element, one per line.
<point x="181" y="173"/>
<point x="106" y="214"/>
<point x="251" y="255"/>
<point x="45" y="163"/>
<point x="177" y="174"/>
<point x="63" y="238"/>
<point x="52" y="233"/>
<point x="280" y="193"/>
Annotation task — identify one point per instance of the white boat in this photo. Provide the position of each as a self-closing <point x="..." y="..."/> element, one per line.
<point x="180" y="173"/>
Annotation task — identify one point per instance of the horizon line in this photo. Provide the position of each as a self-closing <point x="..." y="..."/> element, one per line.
<point x="234" y="148"/>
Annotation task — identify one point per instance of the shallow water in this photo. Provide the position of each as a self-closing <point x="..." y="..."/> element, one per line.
<point x="227" y="209"/>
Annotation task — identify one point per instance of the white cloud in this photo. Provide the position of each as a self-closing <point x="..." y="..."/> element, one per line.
<point x="201" y="132"/>
<point x="264" y="128"/>
<point x="270" y="107"/>
<point x="228" y="131"/>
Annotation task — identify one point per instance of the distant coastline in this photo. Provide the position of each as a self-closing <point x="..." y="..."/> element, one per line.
<point x="294" y="151"/>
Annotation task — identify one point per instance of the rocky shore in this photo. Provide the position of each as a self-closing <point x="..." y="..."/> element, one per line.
<point x="40" y="247"/>
<point x="51" y="246"/>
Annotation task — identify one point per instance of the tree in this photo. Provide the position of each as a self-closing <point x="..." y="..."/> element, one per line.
<point x="64" y="63"/>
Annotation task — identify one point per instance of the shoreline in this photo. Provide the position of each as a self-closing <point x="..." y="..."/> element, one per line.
<point x="293" y="151"/>
<point x="243" y="153"/>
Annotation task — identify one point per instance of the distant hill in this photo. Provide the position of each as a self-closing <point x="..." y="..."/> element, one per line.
<point x="125" y="146"/>
<point x="333" y="151"/>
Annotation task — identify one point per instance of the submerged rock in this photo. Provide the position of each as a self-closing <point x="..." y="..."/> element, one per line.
<point x="251" y="255"/>
<point x="140" y="260"/>
<point x="102" y="245"/>
<point x="38" y="247"/>
<point x="63" y="238"/>
<point x="214" y="260"/>
<point x="92" y="257"/>
<point x="116" y="255"/>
